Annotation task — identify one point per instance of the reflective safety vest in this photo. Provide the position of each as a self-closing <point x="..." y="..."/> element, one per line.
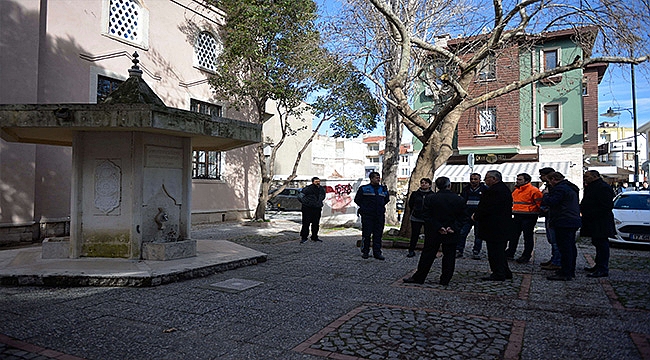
<point x="526" y="199"/>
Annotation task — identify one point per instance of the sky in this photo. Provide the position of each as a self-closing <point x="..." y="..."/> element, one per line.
<point x="615" y="90"/>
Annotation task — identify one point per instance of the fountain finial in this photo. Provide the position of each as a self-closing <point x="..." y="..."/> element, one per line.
<point x="135" y="69"/>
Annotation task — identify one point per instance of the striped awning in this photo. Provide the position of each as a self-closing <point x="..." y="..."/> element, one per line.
<point x="509" y="171"/>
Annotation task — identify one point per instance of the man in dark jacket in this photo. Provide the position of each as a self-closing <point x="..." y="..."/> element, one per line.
<point x="472" y="196"/>
<point x="444" y="214"/>
<point x="416" y="206"/>
<point x="494" y="218"/>
<point x="372" y="199"/>
<point x="598" y="220"/>
<point x="311" y="197"/>
<point x="565" y="220"/>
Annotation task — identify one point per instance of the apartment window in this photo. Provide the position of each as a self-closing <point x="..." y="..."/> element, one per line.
<point x="206" y="50"/>
<point x="628" y="144"/>
<point x="487" y="118"/>
<point x="628" y="156"/>
<point x="374" y="160"/>
<point x="205" y="108"/>
<point x="551" y="116"/>
<point x="373" y="147"/>
<point x="405" y="159"/>
<point x="105" y="86"/>
<point x="127" y="21"/>
<point x="488" y="68"/>
<point x="206" y="164"/>
<point x="585" y="89"/>
<point x="550" y="59"/>
<point x="406" y="172"/>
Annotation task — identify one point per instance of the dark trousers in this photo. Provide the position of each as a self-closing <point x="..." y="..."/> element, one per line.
<point x="464" y="232"/>
<point x="416" y="228"/>
<point x="432" y="243"/>
<point x="566" y="242"/>
<point x="497" y="259"/>
<point x="602" y="253"/>
<point x="310" y="216"/>
<point x="372" y="226"/>
<point x="522" y="223"/>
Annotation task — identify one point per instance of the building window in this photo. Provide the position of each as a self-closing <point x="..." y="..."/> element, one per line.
<point x="206" y="164"/>
<point x="488" y="68"/>
<point x="205" y="108"/>
<point x="405" y="159"/>
<point x="105" y="86"/>
<point x="628" y="156"/>
<point x="127" y="21"/>
<point x="585" y="89"/>
<point x="373" y="147"/>
<point x="551" y="116"/>
<point x="374" y="160"/>
<point x="550" y="59"/>
<point x="628" y="144"/>
<point x="406" y="172"/>
<point x="487" y="118"/>
<point x="206" y="50"/>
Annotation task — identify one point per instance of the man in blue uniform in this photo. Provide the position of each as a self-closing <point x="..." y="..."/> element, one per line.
<point x="372" y="199"/>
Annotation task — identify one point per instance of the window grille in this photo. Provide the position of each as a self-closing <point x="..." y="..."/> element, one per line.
<point x="206" y="164"/>
<point x="487" y="121"/>
<point x="125" y="20"/>
<point x="207" y="49"/>
<point x="105" y="86"/>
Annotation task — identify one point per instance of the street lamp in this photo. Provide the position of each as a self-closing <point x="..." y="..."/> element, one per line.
<point x="612" y="113"/>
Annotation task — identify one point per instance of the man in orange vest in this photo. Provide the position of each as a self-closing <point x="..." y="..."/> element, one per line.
<point x="526" y="199"/>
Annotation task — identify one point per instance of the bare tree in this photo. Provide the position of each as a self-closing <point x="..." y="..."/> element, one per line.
<point x="620" y="36"/>
<point x="366" y="37"/>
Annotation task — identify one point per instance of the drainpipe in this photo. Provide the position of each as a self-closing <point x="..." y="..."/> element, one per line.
<point x="534" y="104"/>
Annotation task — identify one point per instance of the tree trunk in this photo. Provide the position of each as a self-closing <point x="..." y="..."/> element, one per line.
<point x="391" y="161"/>
<point x="265" y="184"/>
<point x="423" y="169"/>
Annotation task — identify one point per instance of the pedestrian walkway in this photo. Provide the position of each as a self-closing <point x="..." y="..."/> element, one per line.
<point x="322" y="300"/>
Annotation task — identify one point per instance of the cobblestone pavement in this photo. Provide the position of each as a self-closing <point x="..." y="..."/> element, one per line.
<point x="321" y="300"/>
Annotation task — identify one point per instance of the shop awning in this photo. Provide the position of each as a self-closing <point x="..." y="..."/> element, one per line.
<point x="460" y="173"/>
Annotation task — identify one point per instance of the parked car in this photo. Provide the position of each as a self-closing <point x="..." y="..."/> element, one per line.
<point x="286" y="200"/>
<point x="632" y="218"/>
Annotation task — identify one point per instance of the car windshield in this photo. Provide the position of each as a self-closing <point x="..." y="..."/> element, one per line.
<point x="632" y="202"/>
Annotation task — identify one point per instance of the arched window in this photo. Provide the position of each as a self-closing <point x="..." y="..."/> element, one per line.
<point x="206" y="49"/>
<point x="125" y="20"/>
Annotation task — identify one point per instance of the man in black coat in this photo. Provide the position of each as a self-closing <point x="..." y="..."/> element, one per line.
<point x="494" y="218"/>
<point x="311" y="197"/>
<point x="598" y="220"/>
<point x="444" y="215"/>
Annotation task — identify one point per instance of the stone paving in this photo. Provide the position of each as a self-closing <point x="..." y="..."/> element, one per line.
<point x="321" y="300"/>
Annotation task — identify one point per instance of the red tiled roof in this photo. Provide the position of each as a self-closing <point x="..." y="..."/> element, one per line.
<point x="373" y="139"/>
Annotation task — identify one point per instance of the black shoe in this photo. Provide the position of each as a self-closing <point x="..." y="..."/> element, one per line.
<point x="379" y="257"/>
<point x="411" y="254"/>
<point x="523" y="260"/>
<point x="492" y="278"/>
<point x="590" y="269"/>
<point x="302" y="241"/>
<point x="365" y="256"/>
<point x="546" y="263"/>
<point x="317" y="240"/>
<point x="558" y="278"/>
<point x="509" y="276"/>
<point x="598" y="274"/>
<point x="411" y="280"/>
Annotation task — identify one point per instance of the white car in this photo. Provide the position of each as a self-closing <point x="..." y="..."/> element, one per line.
<point x="632" y="218"/>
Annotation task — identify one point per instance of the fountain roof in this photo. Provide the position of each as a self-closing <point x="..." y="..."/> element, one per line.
<point x="133" y="106"/>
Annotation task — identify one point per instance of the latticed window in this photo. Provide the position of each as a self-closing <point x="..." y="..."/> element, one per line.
<point x="125" y="20"/>
<point x="207" y="48"/>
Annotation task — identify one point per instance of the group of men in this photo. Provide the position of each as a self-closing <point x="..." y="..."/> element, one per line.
<point x="499" y="217"/>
